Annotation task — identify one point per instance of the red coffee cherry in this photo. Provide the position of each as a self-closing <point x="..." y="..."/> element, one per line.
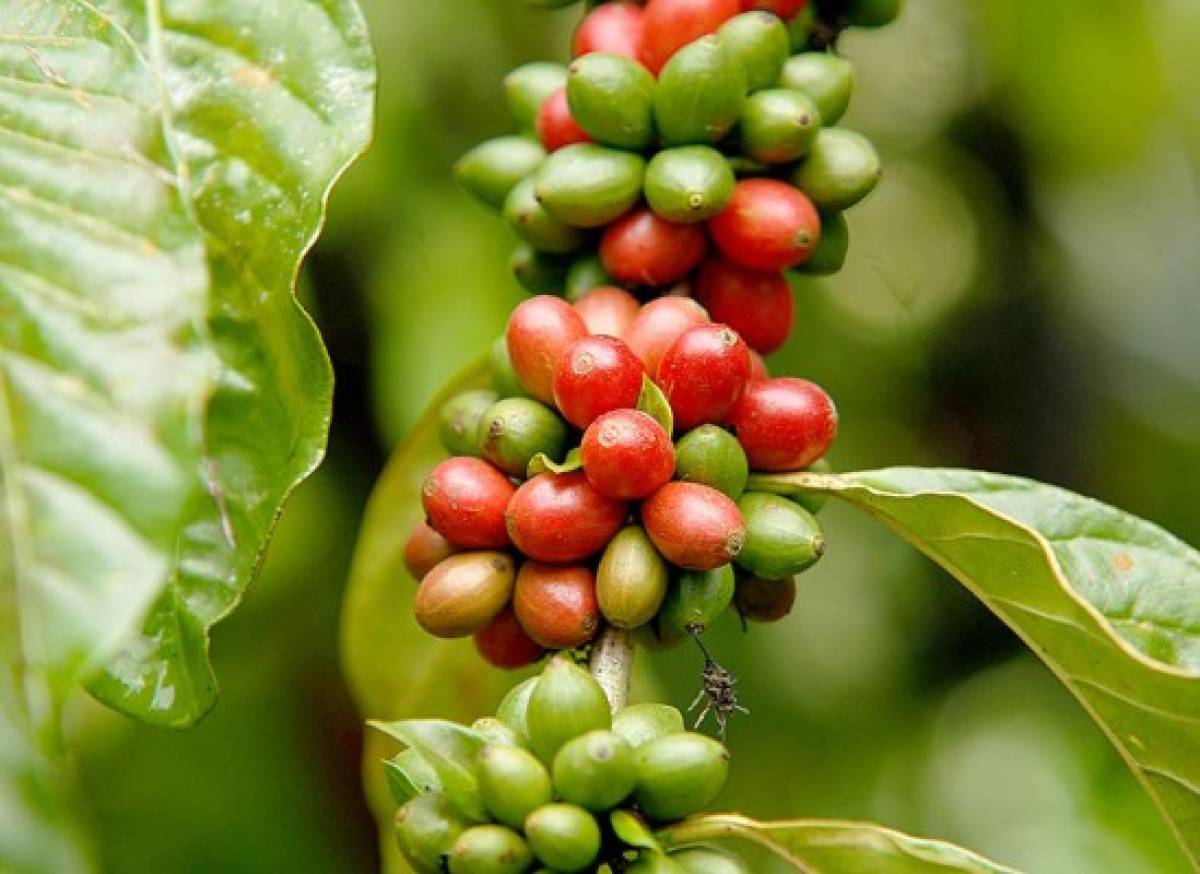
<point x="768" y="225"/>
<point x="613" y="27"/>
<point x="627" y="455"/>
<point x="556" y="604"/>
<point x="785" y="9"/>
<point x="703" y="374"/>
<point x="640" y="248"/>
<point x="784" y="423"/>
<point x="595" y="375"/>
<point x="608" y="309"/>
<point x="540" y="330"/>
<point x="758" y="368"/>
<point x="556" y="126"/>
<point x="465" y="500"/>
<point x="504" y="643"/>
<point x="669" y="25"/>
<point x="694" y="526"/>
<point x="424" y="549"/>
<point x="560" y="518"/>
<point x="658" y="324"/>
<point x="756" y="304"/>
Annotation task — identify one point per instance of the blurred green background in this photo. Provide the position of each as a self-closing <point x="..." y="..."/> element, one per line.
<point x="1022" y="295"/>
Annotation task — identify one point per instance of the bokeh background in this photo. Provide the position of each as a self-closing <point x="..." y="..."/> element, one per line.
<point x="1022" y="295"/>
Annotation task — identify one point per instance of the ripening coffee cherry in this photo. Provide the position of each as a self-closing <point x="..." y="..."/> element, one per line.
<point x="565" y="837"/>
<point x="708" y="860"/>
<point x="768" y="225"/>
<point x="504" y="377"/>
<point x="613" y="27"/>
<point x="631" y="580"/>
<point x="527" y="87"/>
<point x="669" y="25"/>
<point x="694" y="526"/>
<point x="595" y="771"/>
<point x="711" y="456"/>
<point x="512" y="783"/>
<point x="588" y="186"/>
<point x="779" y="126"/>
<point x="426" y="828"/>
<point x="827" y="79"/>
<point x="556" y="125"/>
<point x="464" y="593"/>
<point x="585" y="273"/>
<point x="539" y="272"/>
<point x="872" y="13"/>
<point x="679" y="775"/>
<point x="565" y="703"/>
<point x="703" y="373"/>
<point x="556" y="604"/>
<point x="841" y="169"/>
<point x="560" y="518"/>
<point x="782" y="538"/>
<point x="700" y="94"/>
<point x="595" y="375"/>
<point x="505" y="644"/>
<point x="612" y="98"/>
<point x="424" y="549"/>
<point x="458" y="420"/>
<point x="640" y="248"/>
<point x="695" y="600"/>
<point x="540" y="330"/>
<point x="490" y="170"/>
<point x="658" y="324"/>
<point x="760" y="600"/>
<point x="493" y="731"/>
<point x="830" y="254"/>
<point x="641" y="723"/>
<point x="688" y="184"/>
<point x="607" y="310"/>
<point x="490" y="849"/>
<point x="756" y="304"/>
<point x="530" y="221"/>
<point x="514" y="430"/>
<point x="784" y="423"/>
<point x="759" y="42"/>
<point x="513" y="710"/>
<point x="465" y="500"/>
<point x="627" y="455"/>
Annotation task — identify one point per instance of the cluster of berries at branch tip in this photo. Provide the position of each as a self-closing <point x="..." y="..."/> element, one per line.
<point x="555" y="782"/>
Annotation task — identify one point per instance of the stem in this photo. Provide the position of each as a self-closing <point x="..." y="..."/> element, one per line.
<point x="799" y="483"/>
<point x="612" y="663"/>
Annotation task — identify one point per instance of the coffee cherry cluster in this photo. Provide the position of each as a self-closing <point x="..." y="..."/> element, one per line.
<point x="556" y="783"/>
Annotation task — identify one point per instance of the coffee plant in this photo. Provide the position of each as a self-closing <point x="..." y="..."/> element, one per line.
<point x="616" y="473"/>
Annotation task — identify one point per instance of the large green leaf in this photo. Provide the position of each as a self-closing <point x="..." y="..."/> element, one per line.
<point x="1110" y="602"/>
<point x="834" y="847"/>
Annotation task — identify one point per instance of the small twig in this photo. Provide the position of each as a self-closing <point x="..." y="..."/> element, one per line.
<point x="717" y="694"/>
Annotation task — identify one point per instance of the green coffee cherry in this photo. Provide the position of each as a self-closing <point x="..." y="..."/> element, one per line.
<point x="490" y="849"/>
<point x="565" y="703"/>
<point x="564" y="837"/>
<point x="689" y="184"/>
<point x="779" y="125"/>
<point x="641" y="723"/>
<point x="711" y="456"/>
<point x="458" y="420"/>
<point x="827" y="79"/>
<point x="679" y="775"/>
<point x="708" y="860"/>
<point x="491" y="170"/>
<point x="585" y="274"/>
<point x="612" y="98"/>
<point x="512" y="784"/>
<point x="800" y="27"/>
<point x="694" y="602"/>
<point x="830" y="254"/>
<point x="538" y="272"/>
<point x="841" y="169"/>
<point x="426" y="829"/>
<point x="513" y="430"/>
<point x="587" y="185"/>
<point x="527" y="88"/>
<point x="814" y="503"/>
<point x="651" y="862"/>
<point x="495" y="732"/>
<point x="782" y="538"/>
<point x="700" y="93"/>
<point x="631" y="580"/>
<point x="514" y="709"/>
<point x="595" y="771"/>
<point x="530" y="221"/>
<point x="760" y="43"/>
<point x="872" y="13"/>
<point x="504" y="377"/>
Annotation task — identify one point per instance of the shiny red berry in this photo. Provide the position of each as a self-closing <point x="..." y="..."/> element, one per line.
<point x="424" y="549"/>
<point x="756" y="304"/>
<point x="560" y="518"/>
<point x="504" y="643"/>
<point x="641" y="248"/>
<point x="784" y="423"/>
<point x="768" y="225"/>
<point x="669" y="25"/>
<point x="556" y="126"/>
<point x="608" y="310"/>
<point x="703" y="374"/>
<point x="595" y="375"/>
<point x="627" y="455"/>
<point x="613" y="27"/>
<point x="758" y="367"/>
<point x="465" y="500"/>
<point x="785" y="9"/>
<point x="694" y="526"/>
<point x="540" y="330"/>
<point x="556" y="604"/>
<point x="658" y="324"/>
